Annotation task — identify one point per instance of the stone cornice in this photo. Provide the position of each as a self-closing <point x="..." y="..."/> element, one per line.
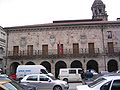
<point x="65" y="26"/>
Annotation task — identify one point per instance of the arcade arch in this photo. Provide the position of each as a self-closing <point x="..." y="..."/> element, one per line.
<point x="30" y="63"/>
<point x="13" y="67"/>
<point x="47" y="65"/>
<point x="58" y="65"/>
<point x="92" y="64"/>
<point x="76" y="64"/>
<point x="112" y="65"/>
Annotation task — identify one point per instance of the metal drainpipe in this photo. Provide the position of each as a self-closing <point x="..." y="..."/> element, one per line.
<point x="103" y="46"/>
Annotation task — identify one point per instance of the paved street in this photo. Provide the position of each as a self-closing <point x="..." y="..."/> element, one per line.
<point x="73" y="85"/>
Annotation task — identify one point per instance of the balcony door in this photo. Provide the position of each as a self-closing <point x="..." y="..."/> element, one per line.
<point x="30" y="50"/>
<point x="110" y="47"/>
<point x="91" y="48"/>
<point x="75" y="48"/>
<point x="60" y="49"/>
<point x="15" y="50"/>
<point x="44" y="49"/>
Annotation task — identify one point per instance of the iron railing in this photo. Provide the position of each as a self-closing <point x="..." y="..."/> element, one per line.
<point x="54" y="53"/>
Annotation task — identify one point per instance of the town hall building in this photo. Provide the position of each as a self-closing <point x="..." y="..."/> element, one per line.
<point x="88" y="44"/>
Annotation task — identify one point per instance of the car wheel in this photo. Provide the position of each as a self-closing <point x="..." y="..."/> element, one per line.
<point x="57" y="88"/>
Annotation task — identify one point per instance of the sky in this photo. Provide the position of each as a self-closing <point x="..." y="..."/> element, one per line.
<point x="30" y="12"/>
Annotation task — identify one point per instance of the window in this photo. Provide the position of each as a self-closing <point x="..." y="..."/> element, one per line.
<point x="60" y="48"/>
<point x="91" y="48"/>
<point x="43" y="71"/>
<point x="44" y="50"/>
<point x="72" y="71"/>
<point x="116" y="85"/>
<point x="80" y="71"/>
<point x="106" y="86"/>
<point x="30" y="49"/>
<point x="32" y="78"/>
<point x="75" y="48"/>
<point x="15" y="50"/>
<point x="109" y="33"/>
<point x="43" y="78"/>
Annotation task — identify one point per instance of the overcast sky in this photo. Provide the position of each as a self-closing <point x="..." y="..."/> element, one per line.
<point x="29" y="12"/>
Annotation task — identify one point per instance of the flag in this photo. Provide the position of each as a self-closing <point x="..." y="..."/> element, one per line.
<point x="60" y="48"/>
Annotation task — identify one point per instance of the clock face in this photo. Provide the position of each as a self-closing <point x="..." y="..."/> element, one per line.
<point x="52" y="40"/>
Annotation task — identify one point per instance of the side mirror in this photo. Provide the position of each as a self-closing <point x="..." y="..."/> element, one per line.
<point x="49" y="80"/>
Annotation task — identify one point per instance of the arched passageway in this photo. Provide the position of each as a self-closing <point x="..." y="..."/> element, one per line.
<point x="30" y="63"/>
<point x="76" y="64"/>
<point x="112" y="65"/>
<point x="47" y="66"/>
<point x="58" y="65"/>
<point x="13" y="67"/>
<point x="92" y="64"/>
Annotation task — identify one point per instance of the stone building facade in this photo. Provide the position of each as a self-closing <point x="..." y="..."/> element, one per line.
<point x="2" y="46"/>
<point x="88" y="44"/>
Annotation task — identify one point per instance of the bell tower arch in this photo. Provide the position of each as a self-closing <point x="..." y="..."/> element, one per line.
<point x="98" y="10"/>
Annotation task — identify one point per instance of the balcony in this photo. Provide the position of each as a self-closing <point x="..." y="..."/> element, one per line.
<point x="112" y="52"/>
<point x="67" y="53"/>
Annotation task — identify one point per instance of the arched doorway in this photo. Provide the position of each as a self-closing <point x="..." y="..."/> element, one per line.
<point x="112" y="65"/>
<point x="13" y="67"/>
<point x="30" y="63"/>
<point x="92" y="64"/>
<point x="47" y="66"/>
<point x="58" y="65"/>
<point x="76" y="64"/>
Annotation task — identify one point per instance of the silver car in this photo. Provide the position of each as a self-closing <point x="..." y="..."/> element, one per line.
<point x="44" y="82"/>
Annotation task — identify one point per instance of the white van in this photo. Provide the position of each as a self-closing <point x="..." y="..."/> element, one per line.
<point x="23" y="70"/>
<point x="70" y="74"/>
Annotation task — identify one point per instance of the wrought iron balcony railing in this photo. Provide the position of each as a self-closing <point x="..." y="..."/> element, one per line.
<point x="112" y="51"/>
<point x="66" y="53"/>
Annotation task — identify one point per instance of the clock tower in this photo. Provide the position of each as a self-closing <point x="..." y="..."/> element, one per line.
<point x="98" y="10"/>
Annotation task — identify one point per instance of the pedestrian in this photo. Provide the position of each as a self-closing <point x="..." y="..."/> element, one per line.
<point x="89" y="75"/>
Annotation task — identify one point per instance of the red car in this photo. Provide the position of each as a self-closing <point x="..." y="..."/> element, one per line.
<point x="13" y="76"/>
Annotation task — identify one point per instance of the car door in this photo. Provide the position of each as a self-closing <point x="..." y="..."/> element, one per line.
<point x="106" y="86"/>
<point x="115" y="85"/>
<point x="32" y="80"/>
<point x="45" y="83"/>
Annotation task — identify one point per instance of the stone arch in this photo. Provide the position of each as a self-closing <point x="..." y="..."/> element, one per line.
<point x="58" y="65"/>
<point x="47" y="65"/>
<point x="13" y="67"/>
<point x="76" y="64"/>
<point x="30" y="63"/>
<point x="112" y="65"/>
<point x="92" y="64"/>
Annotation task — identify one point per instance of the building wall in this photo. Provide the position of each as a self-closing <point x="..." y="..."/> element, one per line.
<point x="2" y="46"/>
<point x="66" y="35"/>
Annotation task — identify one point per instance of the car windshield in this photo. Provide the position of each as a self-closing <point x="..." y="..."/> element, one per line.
<point x="44" y="71"/>
<point x="10" y="86"/>
<point x="96" y="82"/>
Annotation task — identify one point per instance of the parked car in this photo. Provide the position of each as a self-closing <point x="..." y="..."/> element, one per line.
<point x="70" y="74"/>
<point x="42" y="81"/>
<point x="92" y="71"/>
<point x="11" y="84"/>
<point x="110" y="82"/>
